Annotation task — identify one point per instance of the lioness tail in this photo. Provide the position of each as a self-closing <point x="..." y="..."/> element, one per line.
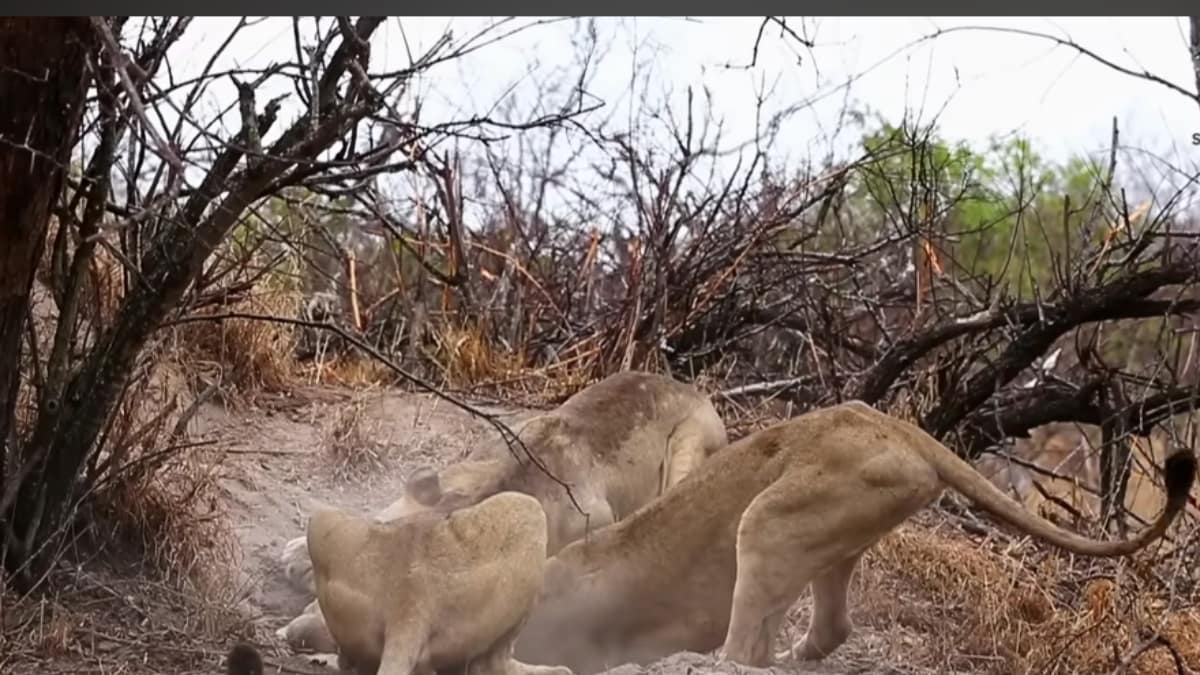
<point x="1179" y="471"/>
<point x="243" y="659"/>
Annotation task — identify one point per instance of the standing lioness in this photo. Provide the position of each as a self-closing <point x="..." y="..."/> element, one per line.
<point x="617" y="443"/>
<point x="720" y="557"/>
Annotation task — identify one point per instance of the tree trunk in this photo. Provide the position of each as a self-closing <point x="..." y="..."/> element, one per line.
<point x="42" y="86"/>
<point x="68" y="425"/>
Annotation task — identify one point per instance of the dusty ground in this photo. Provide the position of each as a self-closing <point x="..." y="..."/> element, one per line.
<point x="276" y="465"/>
<point x="279" y="467"/>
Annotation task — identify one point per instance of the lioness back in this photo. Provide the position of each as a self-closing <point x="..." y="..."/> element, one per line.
<point x="626" y="423"/>
<point x="446" y="586"/>
<point x="616" y="443"/>
<point x="615" y="437"/>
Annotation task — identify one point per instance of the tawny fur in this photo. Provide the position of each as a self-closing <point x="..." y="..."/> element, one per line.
<point x="720" y="557"/>
<point x="618" y="443"/>
<point x="432" y="591"/>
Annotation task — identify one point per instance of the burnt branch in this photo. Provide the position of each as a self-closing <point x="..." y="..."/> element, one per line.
<point x="1125" y="297"/>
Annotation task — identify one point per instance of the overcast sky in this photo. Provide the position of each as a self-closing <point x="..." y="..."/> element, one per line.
<point x="977" y="83"/>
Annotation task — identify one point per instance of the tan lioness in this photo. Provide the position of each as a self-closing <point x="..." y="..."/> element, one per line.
<point x="721" y="556"/>
<point x="618" y="443"/>
<point x="432" y="591"/>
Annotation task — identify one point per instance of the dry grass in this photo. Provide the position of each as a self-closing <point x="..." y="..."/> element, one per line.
<point x="353" y="441"/>
<point x="742" y="418"/>
<point x="251" y="355"/>
<point x="160" y="493"/>
<point x="176" y="517"/>
<point x="157" y="597"/>
<point x="351" y="370"/>
<point x="980" y="608"/>
<point x="464" y="355"/>
<point x="102" y="622"/>
<point x="539" y="387"/>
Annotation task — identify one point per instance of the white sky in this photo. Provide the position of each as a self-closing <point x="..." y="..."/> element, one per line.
<point x="977" y="83"/>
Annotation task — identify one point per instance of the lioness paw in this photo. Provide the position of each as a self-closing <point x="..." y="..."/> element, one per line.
<point x="529" y="669"/>
<point x="308" y="632"/>
<point x="292" y="549"/>
<point x="297" y="565"/>
<point x="328" y="660"/>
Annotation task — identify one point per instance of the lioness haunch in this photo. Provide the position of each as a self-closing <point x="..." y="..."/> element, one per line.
<point x="721" y="556"/>
<point x="433" y="591"/>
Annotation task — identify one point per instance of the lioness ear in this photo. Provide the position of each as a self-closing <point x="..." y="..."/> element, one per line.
<point x="424" y="486"/>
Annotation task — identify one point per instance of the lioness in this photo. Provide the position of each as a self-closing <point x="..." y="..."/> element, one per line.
<point x="432" y="591"/>
<point x="720" y="557"/>
<point x="618" y="443"/>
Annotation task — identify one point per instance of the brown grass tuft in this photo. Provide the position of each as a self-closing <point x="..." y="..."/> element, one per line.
<point x="466" y="356"/>
<point x="157" y="492"/>
<point x="1015" y="609"/>
<point x="105" y="622"/>
<point x="53" y="632"/>
<point x="176" y="516"/>
<point x="350" y="369"/>
<point x="251" y="355"/>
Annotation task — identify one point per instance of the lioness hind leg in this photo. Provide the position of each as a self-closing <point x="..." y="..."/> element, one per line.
<point x="498" y="660"/>
<point x="402" y="654"/>
<point x="783" y="543"/>
<point x="757" y="645"/>
<point x="830" y="624"/>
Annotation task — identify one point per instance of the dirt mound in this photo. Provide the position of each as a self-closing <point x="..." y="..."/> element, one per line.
<point x="692" y="663"/>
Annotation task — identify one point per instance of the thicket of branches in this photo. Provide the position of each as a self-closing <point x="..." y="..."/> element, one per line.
<point x="548" y="242"/>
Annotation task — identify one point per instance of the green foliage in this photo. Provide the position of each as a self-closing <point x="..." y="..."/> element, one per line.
<point x="1002" y="214"/>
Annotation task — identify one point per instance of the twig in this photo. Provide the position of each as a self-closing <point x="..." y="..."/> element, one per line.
<point x="121" y="61"/>
<point x="352" y="266"/>
<point x="186" y="417"/>
<point x="1152" y="643"/>
<point x="773" y="387"/>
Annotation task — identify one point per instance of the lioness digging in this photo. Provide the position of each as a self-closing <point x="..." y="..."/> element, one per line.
<point x="720" y="557"/>
<point x="618" y="443"/>
<point x="432" y="591"/>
